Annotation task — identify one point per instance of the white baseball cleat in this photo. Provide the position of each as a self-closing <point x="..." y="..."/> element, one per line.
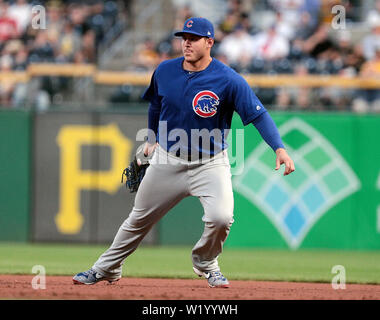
<point x="91" y="277"/>
<point x="215" y="279"/>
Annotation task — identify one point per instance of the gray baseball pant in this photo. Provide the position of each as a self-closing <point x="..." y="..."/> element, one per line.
<point x="167" y="181"/>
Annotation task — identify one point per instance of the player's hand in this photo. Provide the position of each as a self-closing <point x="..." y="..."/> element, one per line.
<point x="144" y="152"/>
<point x="282" y="157"/>
<point x="149" y="148"/>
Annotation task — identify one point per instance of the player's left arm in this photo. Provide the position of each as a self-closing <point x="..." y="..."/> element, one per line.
<point x="251" y="110"/>
<point x="269" y="132"/>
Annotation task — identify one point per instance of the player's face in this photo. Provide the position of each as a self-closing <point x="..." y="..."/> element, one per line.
<point x="194" y="47"/>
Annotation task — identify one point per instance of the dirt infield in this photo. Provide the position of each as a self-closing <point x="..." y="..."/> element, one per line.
<point x="61" y="288"/>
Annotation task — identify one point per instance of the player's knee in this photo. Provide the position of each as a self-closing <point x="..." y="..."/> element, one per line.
<point x="223" y="221"/>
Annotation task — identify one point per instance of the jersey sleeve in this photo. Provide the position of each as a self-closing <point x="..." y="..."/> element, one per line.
<point x="151" y="94"/>
<point x="245" y="102"/>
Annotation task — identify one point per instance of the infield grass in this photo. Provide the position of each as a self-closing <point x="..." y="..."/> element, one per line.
<point x="175" y="262"/>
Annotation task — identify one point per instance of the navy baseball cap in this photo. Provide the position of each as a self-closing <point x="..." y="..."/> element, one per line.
<point x="198" y="26"/>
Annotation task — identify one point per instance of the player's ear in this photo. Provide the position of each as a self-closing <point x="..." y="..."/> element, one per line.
<point x="209" y="42"/>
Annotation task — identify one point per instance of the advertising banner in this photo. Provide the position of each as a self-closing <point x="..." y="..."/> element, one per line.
<point x="79" y="158"/>
<point x="332" y="200"/>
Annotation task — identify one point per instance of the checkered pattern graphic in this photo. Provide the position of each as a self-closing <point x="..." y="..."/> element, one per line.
<point x="294" y="203"/>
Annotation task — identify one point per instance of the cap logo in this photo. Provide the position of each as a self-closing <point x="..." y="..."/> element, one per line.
<point x="189" y="24"/>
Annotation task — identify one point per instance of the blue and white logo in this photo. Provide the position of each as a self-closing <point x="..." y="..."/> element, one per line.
<point x="296" y="202"/>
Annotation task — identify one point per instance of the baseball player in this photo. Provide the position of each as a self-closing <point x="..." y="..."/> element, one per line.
<point x="193" y="93"/>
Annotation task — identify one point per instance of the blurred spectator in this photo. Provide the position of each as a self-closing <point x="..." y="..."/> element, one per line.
<point x="77" y="16"/>
<point x="69" y="42"/>
<point x="21" y="12"/>
<point x="308" y="20"/>
<point x="176" y="48"/>
<point x="169" y="48"/>
<point x="182" y="14"/>
<point x="8" y="25"/>
<point x="351" y="57"/>
<point x="284" y="28"/>
<point x="244" y="65"/>
<point x="316" y="44"/>
<point x="229" y="23"/>
<point x="145" y="57"/>
<point x="55" y="20"/>
<point x="41" y="50"/>
<point x="371" y="68"/>
<point x="374" y="13"/>
<point x="372" y="40"/>
<point x="270" y="44"/>
<point x="21" y="58"/>
<point x="245" y="21"/>
<point x="288" y="13"/>
<point x="88" y="47"/>
<point x="296" y="17"/>
<point x="310" y="11"/>
<point x="30" y="33"/>
<point x="369" y="99"/>
<point x="235" y="6"/>
<point x="237" y="45"/>
<point x="97" y="20"/>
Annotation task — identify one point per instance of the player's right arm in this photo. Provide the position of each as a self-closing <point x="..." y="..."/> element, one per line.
<point x="151" y="94"/>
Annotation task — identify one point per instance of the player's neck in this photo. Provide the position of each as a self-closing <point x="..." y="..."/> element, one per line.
<point x="198" y="65"/>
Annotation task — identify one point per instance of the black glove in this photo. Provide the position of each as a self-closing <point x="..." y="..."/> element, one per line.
<point x="134" y="174"/>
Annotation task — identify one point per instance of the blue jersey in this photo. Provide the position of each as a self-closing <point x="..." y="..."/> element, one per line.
<point x="189" y="102"/>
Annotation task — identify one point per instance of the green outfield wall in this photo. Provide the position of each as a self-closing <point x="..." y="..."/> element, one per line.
<point x="60" y="180"/>
<point x="332" y="200"/>
<point x="15" y="137"/>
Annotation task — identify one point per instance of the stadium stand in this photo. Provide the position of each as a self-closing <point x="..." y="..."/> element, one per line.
<point x="74" y="33"/>
<point x="288" y="50"/>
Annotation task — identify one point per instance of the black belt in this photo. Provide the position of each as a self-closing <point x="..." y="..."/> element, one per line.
<point x="191" y="157"/>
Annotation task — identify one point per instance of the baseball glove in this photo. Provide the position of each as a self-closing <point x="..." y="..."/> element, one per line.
<point x="135" y="172"/>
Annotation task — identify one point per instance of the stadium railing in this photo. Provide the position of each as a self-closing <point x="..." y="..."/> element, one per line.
<point x="143" y="78"/>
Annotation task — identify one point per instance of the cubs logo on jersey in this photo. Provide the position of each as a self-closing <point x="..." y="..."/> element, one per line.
<point x="205" y="103"/>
